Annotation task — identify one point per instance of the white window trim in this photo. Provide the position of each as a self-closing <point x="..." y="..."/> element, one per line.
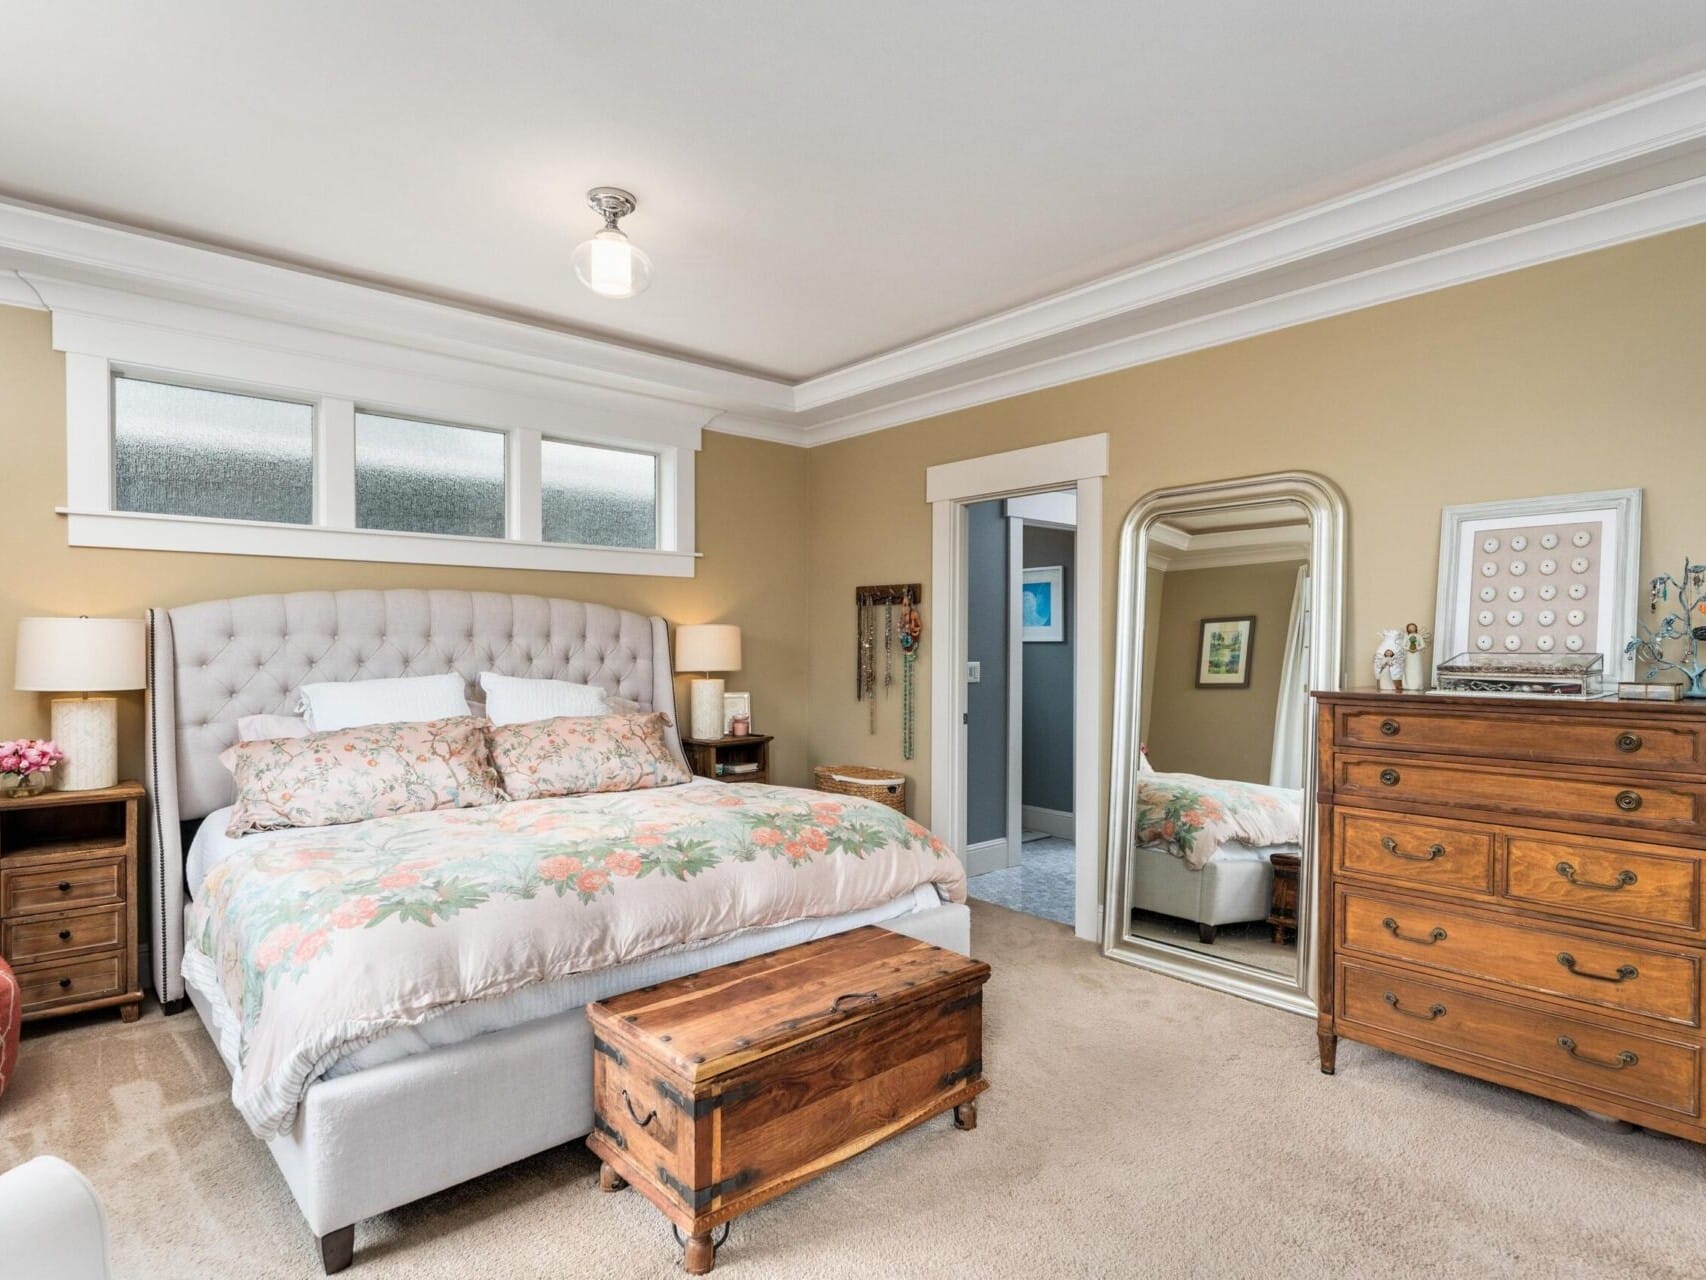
<point x="370" y="377"/>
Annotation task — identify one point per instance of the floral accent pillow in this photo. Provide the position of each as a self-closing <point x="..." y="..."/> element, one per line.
<point x="350" y="775"/>
<point x="574" y="755"/>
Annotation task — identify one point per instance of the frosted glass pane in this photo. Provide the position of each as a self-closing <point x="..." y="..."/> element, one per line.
<point x="187" y="452"/>
<point x="425" y="477"/>
<point x="598" y="497"/>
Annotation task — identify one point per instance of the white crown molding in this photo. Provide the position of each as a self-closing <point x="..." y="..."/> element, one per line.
<point x="1172" y="549"/>
<point x="1633" y="169"/>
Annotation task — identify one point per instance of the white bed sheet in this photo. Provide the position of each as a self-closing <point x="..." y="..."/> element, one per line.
<point x="544" y="1000"/>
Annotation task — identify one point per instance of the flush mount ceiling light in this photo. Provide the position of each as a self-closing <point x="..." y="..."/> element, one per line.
<point x="609" y="264"/>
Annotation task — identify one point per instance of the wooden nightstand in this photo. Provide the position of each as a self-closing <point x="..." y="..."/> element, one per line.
<point x="705" y="754"/>
<point x="68" y="899"/>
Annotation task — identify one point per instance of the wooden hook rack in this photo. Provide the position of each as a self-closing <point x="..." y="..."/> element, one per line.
<point x="893" y="593"/>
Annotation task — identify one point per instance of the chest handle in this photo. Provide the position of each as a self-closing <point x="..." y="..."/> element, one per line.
<point x="1627" y="1058"/>
<point x="1629" y="742"/>
<point x="1434" y="1010"/>
<point x="1435" y="934"/>
<point x="1389" y="727"/>
<point x="1389" y="777"/>
<point x="1625" y="972"/>
<point x="635" y="1111"/>
<point x="1391" y="846"/>
<point x="1625" y="878"/>
<point x="1628" y="801"/>
<point x="847" y="1001"/>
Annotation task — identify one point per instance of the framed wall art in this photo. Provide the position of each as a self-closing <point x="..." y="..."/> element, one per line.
<point x="1558" y="576"/>
<point x="1044" y="605"/>
<point x="1224" y="649"/>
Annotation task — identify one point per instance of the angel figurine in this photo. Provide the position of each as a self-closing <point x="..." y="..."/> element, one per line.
<point x="1389" y="660"/>
<point x="1415" y="642"/>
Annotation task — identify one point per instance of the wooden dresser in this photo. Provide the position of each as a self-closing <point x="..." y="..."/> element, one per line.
<point x="1513" y="889"/>
<point x="68" y="900"/>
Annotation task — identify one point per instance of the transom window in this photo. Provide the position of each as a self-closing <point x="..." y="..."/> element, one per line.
<point x="426" y="477"/>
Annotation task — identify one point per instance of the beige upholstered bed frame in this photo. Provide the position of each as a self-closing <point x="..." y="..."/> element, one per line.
<point x="371" y="1140"/>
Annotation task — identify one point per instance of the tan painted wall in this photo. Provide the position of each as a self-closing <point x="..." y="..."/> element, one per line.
<point x="751" y="511"/>
<point x="1582" y="374"/>
<point x="1228" y="732"/>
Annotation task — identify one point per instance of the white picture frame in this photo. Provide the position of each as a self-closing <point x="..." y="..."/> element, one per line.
<point x="1614" y="513"/>
<point x="1043" y="605"/>
<point x="735" y="704"/>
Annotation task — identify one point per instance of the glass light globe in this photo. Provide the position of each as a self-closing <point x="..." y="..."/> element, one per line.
<point x="611" y="266"/>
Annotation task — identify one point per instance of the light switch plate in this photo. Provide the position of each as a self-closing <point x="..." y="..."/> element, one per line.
<point x="974" y="673"/>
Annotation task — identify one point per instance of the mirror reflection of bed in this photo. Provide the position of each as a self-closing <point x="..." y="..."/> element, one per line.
<point x="1219" y="815"/>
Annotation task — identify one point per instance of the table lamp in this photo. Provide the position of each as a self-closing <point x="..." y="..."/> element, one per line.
<point x="707" y="647"/>
<point x="82" y="655"/>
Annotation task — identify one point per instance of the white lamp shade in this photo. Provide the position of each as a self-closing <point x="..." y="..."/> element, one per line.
<point x="80" y="655"/>
<point x="712" y="646"/>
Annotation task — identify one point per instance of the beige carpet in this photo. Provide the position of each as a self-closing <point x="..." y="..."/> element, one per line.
<point x="1136" y="1126"/>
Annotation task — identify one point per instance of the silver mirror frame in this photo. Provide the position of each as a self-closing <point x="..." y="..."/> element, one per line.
<point x="1327" y="536"/>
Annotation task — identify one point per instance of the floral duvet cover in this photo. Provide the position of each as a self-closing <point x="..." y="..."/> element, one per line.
<point x="324" y="939"/>
<point x="1191" y="817"/>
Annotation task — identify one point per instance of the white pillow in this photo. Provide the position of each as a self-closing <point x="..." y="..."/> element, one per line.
<point x="263" y="728"/>
<point x="351" y="704"/>
<point x="518" y="700"/>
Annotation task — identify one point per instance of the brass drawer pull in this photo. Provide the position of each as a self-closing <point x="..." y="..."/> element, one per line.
<point x="635" y="1111"/>
<point x="1628" y="801"/>
<point x="1391" y="846"/>
<point x="1389" y="777"/>
<point x="1628" y="742"/>
<point x="1625" y="878"/>
<point x="1627" y="1058"/>
<point x="1434" y="1010"/>
<point x="1435" y="934"/>
<point x="1625" y="972"/>
<point x="1389" y="728"/>
<point x="852" y="998"/>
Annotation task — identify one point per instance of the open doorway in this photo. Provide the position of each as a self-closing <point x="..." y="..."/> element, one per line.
<point x="1019" y="700"/>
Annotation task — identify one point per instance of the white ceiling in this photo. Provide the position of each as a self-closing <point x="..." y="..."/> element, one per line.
<point x="817" y="182"/>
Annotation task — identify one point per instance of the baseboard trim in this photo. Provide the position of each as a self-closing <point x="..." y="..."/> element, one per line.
<point x="1056" y="822"/>
<point x="987" y="855"/>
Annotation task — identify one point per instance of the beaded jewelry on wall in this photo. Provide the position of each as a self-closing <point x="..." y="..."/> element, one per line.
<point x="888" y="615"/>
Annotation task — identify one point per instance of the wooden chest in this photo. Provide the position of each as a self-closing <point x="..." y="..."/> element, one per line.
<point x="1514" y="890"/>
<point x="68" y="900"/>
<point x="719" y="1091"/>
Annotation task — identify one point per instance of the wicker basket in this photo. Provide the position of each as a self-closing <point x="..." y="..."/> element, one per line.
<point x="885" y="786"/>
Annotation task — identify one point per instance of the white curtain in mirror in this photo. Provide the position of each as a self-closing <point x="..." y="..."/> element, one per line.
<point x="1291" y="727"/>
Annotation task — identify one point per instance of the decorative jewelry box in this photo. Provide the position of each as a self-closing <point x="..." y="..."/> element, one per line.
<point x="1526" y="675"/>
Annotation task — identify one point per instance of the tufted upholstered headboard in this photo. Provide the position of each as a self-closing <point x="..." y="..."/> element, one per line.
<point x="212" y="662"/>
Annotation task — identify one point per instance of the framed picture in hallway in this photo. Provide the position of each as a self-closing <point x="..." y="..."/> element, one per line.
<point x="1224" y="650"/>
<point x="1044" y="604"/>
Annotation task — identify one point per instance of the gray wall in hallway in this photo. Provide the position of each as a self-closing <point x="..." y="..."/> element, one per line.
<point x="986" y="701"/>
<point x="1047" y="761"/>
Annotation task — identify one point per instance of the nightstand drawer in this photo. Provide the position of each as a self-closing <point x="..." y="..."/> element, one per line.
<point x="28" y="939"/>
<point x="71" y="981"/>
<point x="83" y="884"/>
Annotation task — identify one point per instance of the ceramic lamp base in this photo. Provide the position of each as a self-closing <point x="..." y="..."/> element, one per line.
<point x="86" y="729"/>
<point x="707" y="706"/>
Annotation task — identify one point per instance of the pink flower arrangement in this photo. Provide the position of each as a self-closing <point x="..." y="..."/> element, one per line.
<point x="27" y="756"/>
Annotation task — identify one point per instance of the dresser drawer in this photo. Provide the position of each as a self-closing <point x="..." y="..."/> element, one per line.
<point x="1604" y="1059"/>
<point x="1671" y="806"/>
<point x="82" y="884"/>
<point x="1595" y="740"/>
<point x="1414" y="851"/>
<point x="71" y="981"/>
<point x="1612" y="880"/>
<point x="1592" y="969"/>
<point x="45" y="937"/>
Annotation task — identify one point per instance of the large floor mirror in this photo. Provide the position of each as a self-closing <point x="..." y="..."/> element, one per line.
<point x="1230" y="613"/>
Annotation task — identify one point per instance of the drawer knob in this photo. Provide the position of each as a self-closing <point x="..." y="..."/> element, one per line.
<point x="1628" y="742"/>
<point x="65" y="984"/>
<point x="1628" y="801"/>
<point x="1389" y="727"/>
<point x="65" y="935"/>
<point x="1625" y="972"/>
<point x="1435" y="934"/>
<point x="1624" y="879"/>
<point x="65" y="886"/>
<point x="1391" y="846"/>
<point x="1389" y="777"/>
<point x="635" y="1111"/>
<point x="1434" y="1010"/>
<point x="1627" y="1058"/>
